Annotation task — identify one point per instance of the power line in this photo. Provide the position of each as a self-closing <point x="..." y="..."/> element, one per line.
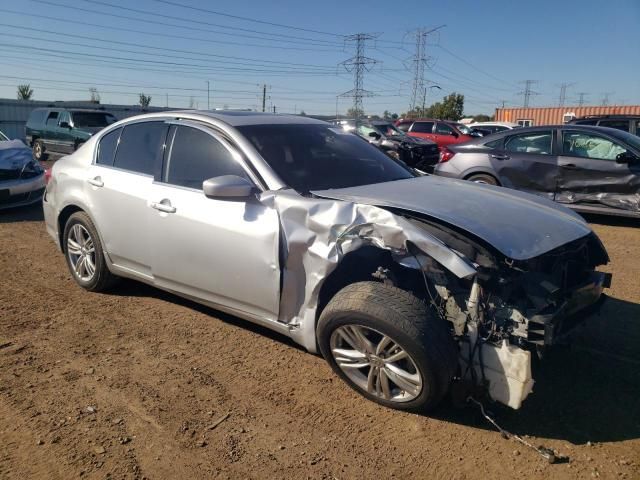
<point x="358" y="64"/>
<point x="248" y="19"/>
<point x="458" y="57"/>
<point x="605" y="98"/>
<point x="563" y="93"/>
<point x="581" y="97"/>
<point x="164" y="34"/>
<point x="527" y="92"/>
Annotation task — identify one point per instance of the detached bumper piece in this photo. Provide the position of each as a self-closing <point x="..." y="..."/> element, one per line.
<point x="553" y="323"/>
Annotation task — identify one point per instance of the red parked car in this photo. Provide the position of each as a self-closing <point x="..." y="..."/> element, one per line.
<point x="442" y="132"/>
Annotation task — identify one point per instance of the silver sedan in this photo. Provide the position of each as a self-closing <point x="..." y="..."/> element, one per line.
<point x="402" y="282"/>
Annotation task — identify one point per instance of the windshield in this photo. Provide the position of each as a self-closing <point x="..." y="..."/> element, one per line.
<point x="92" y="119"/>
<point x="463" y="129"/>
<point x="318" y="157"/>
<point x="632" y="140"/>
<point x="389" y="130"/>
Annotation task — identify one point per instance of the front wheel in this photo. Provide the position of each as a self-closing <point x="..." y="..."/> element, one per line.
<point x="38" y="151"/>
<point x="483" y="178"/>
<point x="387" y="345"/>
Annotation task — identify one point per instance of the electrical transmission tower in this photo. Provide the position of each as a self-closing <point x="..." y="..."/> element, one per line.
<point x="419" y="61"/>
<point x="563" y="93"/>
<point x="527" y="92"/>
<point x="358" y="65"/>
<point x="581" y="96"/>
<point x="605" y="98"/>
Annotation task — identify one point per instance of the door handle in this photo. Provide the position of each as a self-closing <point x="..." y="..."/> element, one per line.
<point x="96" y="181"/>
<point x="570" y="166"/>
<point x="163" y="206"/>
<point x="500" y="157"/>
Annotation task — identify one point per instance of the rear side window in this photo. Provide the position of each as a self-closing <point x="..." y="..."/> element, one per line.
<point x="52" y="119"/>
<point x="538" y="142"/>
<point x="196" y="156"/>
<point x="107" y="147"/>
<point x="140" y="146"/>
<point x="618" y="124"/>
<point x="494" y="143"/>
<point x="422" y="127"/>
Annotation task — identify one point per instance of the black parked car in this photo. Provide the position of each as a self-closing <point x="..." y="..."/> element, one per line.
<point x="590" y="169"/>
<point x="626" y="123"/>
<point x="416" y="152"/>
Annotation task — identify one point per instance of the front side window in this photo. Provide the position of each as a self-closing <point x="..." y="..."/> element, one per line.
<point x="63" y="118"/>
<point x="365" y="130"/>
<point x="422" y="127"/>
<point x="140" y="146"/>
<point x="588" y="145"/>
<point x="196" y="156"/>
<point x="538" y="142"/>
<point x="444" y="129"/>
<point x="107" y="147"/>
<point x="311" y="157"/>
<point x="52" y="119"/>
<point x="494" y="143"/>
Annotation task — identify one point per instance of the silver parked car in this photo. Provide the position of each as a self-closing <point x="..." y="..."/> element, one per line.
<point x="22" y="179"/>
<point x="403" y="282"/>
<point x="590" y="169"/>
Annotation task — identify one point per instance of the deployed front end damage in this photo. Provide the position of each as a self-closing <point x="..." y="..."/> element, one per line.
<point x="500" y="310"/>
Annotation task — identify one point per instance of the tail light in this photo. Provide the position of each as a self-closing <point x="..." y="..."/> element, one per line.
<point x="47" y="175"/>
<point x="446" y="154"/>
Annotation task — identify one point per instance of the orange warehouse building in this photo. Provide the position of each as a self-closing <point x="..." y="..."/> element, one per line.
<point x="557" y="115"/>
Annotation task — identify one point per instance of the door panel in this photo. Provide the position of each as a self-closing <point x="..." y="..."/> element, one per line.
<point x="50" y="136"/>
<point x="222" y="251"/>
<point x="65" y="135"/>
<point x="526" y="162"/>
<point x="589" y="172"/>
<point x="120" y="210"/>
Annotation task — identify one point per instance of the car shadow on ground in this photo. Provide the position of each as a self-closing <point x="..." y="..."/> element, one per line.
<point x="585" y="392"/>
<point x="611" y="220"/>
<point x="29" y="213"/>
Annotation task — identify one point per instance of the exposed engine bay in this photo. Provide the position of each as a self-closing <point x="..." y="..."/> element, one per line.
<point x="511" y="309"/>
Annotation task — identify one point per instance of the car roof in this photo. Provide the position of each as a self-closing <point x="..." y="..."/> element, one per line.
<point x="241" y="118"/>
<point x="620" y="116"/>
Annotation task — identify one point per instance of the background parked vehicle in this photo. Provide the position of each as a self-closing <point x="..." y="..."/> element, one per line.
<point x="591" y="169"/>
<point x="487" y="128"/>
<point x="441" y="132"/>
<point x="22" y="179"/>
<point x="59" y="130"/>
<point x="626" y="123"/>
<point x="416" y="152"/>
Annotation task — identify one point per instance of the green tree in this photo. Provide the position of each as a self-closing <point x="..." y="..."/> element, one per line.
<point x="353" y="113"/>
<point x="145" y="100"/>
<point x="482" y="118"/>
<point x="25" y="92"/>
<point x="387" y="115"/>
<point x="450" y="108"/>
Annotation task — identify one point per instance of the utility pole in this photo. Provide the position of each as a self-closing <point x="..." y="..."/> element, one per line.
<point x="358" y="64"/>
<point x="581" y="96"/>
<point x="274" y="109"/>
<point x="167" y="100"/>
<point x="264" y="96"/>
<point x="563" y="93"/>
<point x="208" y="106"/>
<point x="337" y="96"/>
<point x="527" y="92"/>
<point x="419" y="61"/>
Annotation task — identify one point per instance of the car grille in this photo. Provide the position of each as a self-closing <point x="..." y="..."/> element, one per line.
<point x="13" y="174"/>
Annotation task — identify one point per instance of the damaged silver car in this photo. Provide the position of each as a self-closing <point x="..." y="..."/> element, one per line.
<point x="404" y="283"/>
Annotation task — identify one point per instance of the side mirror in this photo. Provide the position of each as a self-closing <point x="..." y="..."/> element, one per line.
<point x="227" y="186"/>
<point x="65" y="125"/>
<point x="627" y="157"/>
<point x="375" y="135"/>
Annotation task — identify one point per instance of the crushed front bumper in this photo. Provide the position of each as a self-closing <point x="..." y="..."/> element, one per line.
<point x="554" y="322"/>
<point x="20" y="192"/>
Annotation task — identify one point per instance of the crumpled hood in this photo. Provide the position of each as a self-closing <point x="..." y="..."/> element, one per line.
<point x="14" y="155"/>
<point x="519" y="225"/>
<point x="413" y="140"/>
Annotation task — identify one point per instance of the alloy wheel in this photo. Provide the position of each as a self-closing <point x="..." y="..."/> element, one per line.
<point x="376" y="363"/>
<point x="81" y="252"/>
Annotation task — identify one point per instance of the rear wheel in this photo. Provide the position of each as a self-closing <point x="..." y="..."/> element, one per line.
<point x="483" y="178"/>
<point x="38" y="151"/>
<point x="387" y="345"/>
<point x="84" y="254"/>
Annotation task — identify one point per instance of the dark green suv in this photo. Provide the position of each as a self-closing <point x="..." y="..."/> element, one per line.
<point x="61" y="130"/>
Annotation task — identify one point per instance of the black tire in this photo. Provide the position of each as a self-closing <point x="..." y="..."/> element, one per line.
<point x="483" y="178"/>
<point x="38" y="151"/>
<point x="102" y="279"/>
<point x="405" y="319"/>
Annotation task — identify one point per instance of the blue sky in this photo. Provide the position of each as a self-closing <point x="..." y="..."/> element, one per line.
<point x="169" y="51"/>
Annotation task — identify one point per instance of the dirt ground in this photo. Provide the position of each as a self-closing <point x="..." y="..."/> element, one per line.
<point x="138" y="383"/>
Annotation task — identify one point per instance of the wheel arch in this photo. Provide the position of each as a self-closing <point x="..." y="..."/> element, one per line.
<point x="490" y="173"/>
<point x="63" y="218"/>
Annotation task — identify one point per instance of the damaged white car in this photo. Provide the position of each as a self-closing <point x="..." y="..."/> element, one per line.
<point x="404" y="283"/>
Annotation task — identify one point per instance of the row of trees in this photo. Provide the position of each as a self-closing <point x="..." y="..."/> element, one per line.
<point x="25" y="92"/>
